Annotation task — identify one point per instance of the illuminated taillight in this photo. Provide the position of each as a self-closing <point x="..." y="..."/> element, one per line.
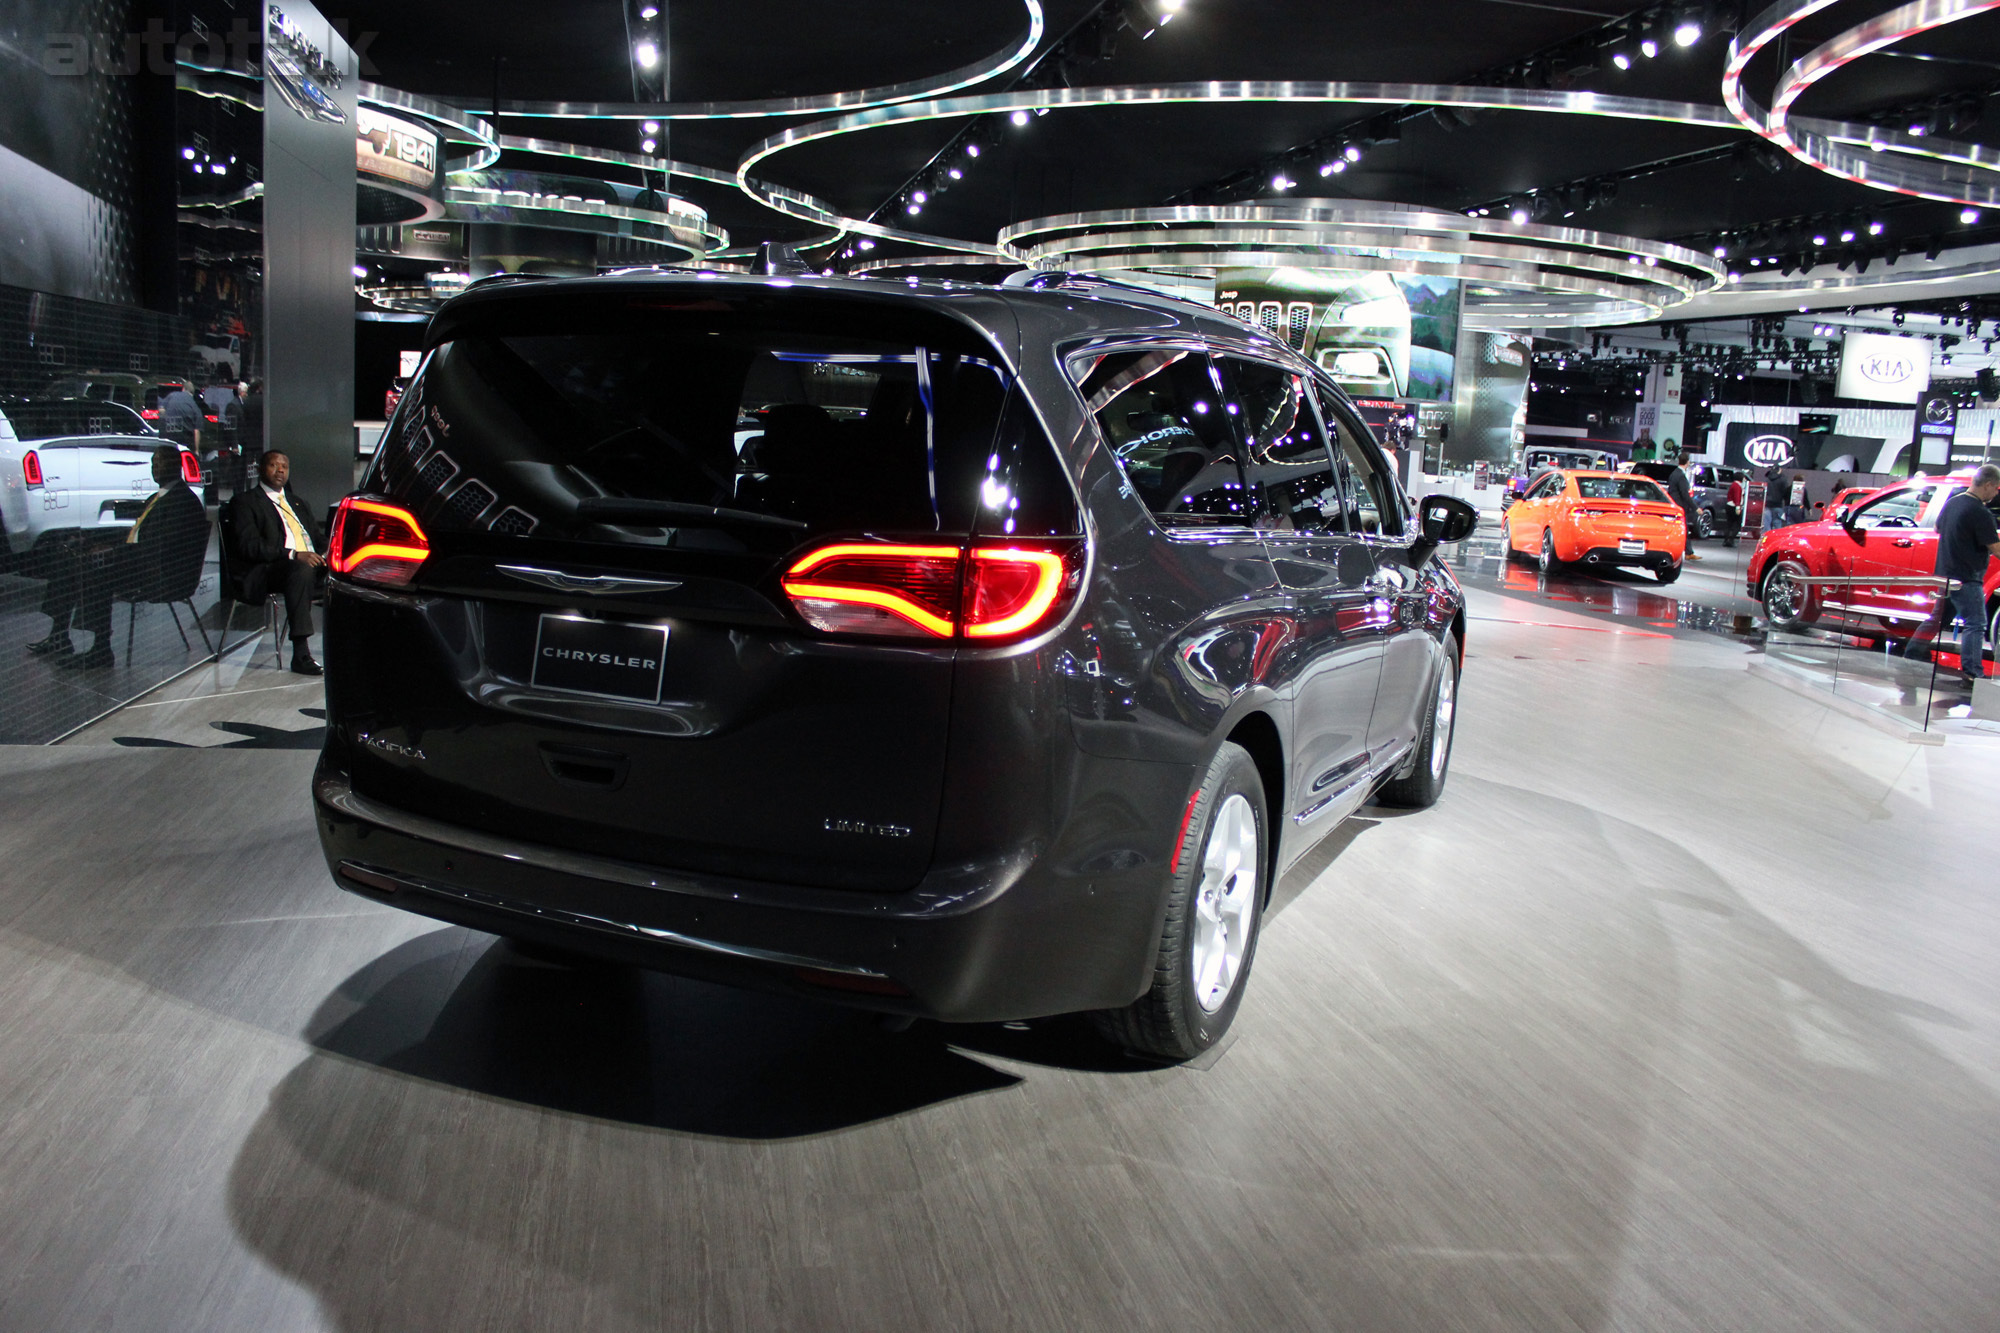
<point x="150" y="413"/>
<point x="1010" y="590"/>
<point x="190" y="469"/>
<point x="878" y="588"/>
<point x="939" y="592"/>
<point x="31" y="468"/>
<point x="377" y="542"/>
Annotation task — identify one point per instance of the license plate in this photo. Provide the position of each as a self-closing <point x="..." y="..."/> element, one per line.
<point x="600" y="657"/>
<point x="1626" y="546"/>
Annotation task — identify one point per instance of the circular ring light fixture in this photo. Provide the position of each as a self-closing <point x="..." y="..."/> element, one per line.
<point x="1916" y="165"/>
<point x="951" y="81"/>
<point x="1213" y="93"/>
<point x="1540" y="274"/>
<point x="500" y="198"/>
<point x="456" y="126"/>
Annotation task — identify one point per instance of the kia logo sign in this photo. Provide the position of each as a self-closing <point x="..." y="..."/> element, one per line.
<point x="1888" y="368"/>
<point x="1768" y="450"/>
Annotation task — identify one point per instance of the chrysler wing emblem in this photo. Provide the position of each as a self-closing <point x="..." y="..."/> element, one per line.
<point x="595" y="585"/>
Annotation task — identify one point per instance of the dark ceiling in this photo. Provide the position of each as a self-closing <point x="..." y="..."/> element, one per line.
<point x="1123" y="158"/>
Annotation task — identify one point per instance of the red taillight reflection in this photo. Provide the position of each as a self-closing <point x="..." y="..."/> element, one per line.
<point x="190" y="468"/>
<point x="150" y="413"/>
<point x="941" y="592"/>
<point x="31" y="468"/>
<point x="377" y="542"/>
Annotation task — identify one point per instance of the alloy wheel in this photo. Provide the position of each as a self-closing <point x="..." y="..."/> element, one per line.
<point x="1441" y="720"/>
<point x="1225" y="902"/>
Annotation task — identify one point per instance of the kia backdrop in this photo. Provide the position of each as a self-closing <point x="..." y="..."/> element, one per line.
<point x="1884" y="368"/>
<point x="1750" y="445"/>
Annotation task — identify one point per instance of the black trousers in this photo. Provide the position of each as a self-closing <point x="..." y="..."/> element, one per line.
<point x="292" y="577"/>
<point x="82" y="582"/>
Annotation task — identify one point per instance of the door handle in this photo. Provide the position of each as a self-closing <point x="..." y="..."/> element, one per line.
<point x="1906" y="541"/>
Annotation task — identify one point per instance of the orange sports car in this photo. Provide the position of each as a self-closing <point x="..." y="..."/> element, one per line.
<point x="1598" y="519"/>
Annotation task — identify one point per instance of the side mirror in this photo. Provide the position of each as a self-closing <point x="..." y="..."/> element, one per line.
<point x="1443" y="519"/>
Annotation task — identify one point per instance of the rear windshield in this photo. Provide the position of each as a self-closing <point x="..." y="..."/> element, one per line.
<point x="1619" y="488"/>
<point x="51" y="420"/>
<point x="857" y="421"/>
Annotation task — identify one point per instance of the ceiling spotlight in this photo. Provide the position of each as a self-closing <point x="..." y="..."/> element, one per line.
<point x="972" y="150"/>
<point x="919" y="197"/>
<point x="1352" y="152"/>
<point x="955" y="174"/>
<point x="1019" y="117"/>
<point x="1819" y="240"/>
<point x="866" y="245"/>
<point x="914" y="208"/>
<point x="647" y="53"/>
<point x="1847" y="236"/>
<point x="1519" y="215"/>
<point x="648" y="145"/>
<point x="1919" y="130"/>
<point x="1688" y="33"/>
<point x="1282" y="182"/>
<point x="1969" y="216"/>
<point x="1649" y="48"/>
<point x="651" y="127"/>
<point x="188" y="153"/>
<point x="649" y="12"/>
<point x="1620" y="59"/>
<point x="1874" y="229"/>
<point x="1721" y="250"/>
<point x="360" y="270"/>
<point x="1328" y="168"/>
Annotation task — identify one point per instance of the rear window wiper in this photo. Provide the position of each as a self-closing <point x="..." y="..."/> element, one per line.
<point x="619" y="509"/>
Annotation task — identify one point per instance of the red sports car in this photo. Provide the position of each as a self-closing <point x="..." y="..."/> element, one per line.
<point x="1891" y="533"/>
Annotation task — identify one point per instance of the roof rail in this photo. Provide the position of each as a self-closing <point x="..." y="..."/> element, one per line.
<point x="1040" y="279"/>
<point x="492" y="278"/>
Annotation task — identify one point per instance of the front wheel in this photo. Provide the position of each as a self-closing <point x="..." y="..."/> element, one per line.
<point x="1215" y="902"/>
<point x="1788" y="602"/>
<point x="1425" y="781"/>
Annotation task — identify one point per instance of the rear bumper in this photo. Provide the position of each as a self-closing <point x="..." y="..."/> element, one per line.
<point x="1610" y="555"/>
<point x="1009" y="941"/>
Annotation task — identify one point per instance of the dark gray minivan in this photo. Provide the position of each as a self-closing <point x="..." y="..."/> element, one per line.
<point x="958" y="651"/>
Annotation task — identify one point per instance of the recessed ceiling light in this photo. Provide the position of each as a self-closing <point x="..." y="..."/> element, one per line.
<point x="1019" y="117"/>
<point x="647" y="53"/>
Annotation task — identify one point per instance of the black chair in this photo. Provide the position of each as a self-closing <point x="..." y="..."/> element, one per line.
<point x="232" y="589"/>
<point x="179" y="577"/>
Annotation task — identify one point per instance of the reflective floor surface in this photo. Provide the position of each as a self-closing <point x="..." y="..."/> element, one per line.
<point x="1679" y="1012"/>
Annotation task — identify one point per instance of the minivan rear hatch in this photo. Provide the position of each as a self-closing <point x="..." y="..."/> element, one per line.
<point x="598" y="651"/>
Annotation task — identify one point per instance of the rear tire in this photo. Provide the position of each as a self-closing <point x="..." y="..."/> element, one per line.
<point x="1215" y="903"/>
<point x="1667" y="575"/>
<point x="1513" y="552"/>
<point x="1425" y="782"/>
<point x="1704" y="523"/>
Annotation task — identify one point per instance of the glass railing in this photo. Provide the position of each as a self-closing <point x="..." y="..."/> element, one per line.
<point x="1885" y="643"/>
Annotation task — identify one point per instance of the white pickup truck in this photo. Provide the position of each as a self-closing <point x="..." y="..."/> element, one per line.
<point x="72" y="469"/>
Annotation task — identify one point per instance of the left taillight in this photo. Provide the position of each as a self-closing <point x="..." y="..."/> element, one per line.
<point x="377" y="542"/>
<point x="31" y="468"/>
<point x="190" y="468"/>
<point x="989" y="593"/>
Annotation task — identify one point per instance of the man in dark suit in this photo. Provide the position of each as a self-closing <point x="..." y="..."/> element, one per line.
<point x="277" y="550"/>
<point x="171" y="531"/>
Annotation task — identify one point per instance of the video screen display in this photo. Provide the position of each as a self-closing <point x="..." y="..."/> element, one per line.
<point x="1381" y="335"/>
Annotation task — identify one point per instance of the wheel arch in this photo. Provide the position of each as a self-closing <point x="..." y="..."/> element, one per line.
<point x="1257" y="733"/>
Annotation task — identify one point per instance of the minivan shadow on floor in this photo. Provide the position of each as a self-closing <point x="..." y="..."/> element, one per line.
<point x="633" y="1046"/>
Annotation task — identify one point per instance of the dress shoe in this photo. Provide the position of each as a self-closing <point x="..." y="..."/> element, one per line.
<point x="96" y="659"/>
<point x="56" y="645"/>
<point x="304" y="665"/>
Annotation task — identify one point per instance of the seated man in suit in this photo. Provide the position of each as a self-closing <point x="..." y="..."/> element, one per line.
<point x="170" y="531"/>
<point x="277" y="550"/>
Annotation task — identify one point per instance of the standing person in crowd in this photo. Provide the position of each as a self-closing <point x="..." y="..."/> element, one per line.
<point x="181" y="417"/>
<point x="1682" y="492"/>
<point x="277" y="549"/>
<point x="1968" y="538"/>
<point x="1736" y="496"/>
<point x="1796" y="501"/>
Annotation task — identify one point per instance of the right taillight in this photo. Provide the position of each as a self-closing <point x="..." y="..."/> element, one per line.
<point x="377" y="542"/>
<point x="31" y="468"/>
<point x="984" y="592"/>
<point x="190" y="468"/>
